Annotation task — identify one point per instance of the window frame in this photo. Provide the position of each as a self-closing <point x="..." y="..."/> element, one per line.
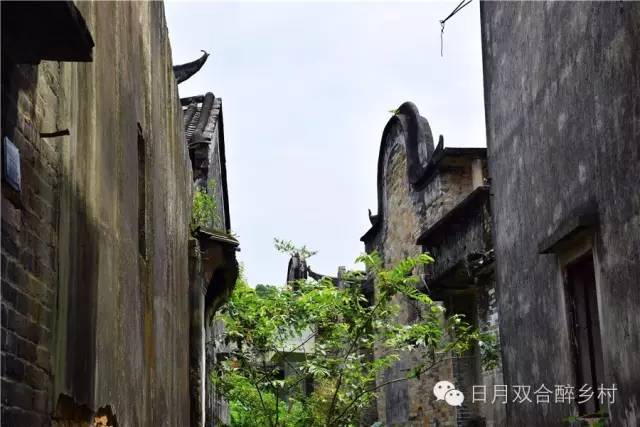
<point x="575" y="251"/>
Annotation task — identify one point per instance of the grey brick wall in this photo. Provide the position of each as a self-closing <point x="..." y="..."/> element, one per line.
<point x="90" y="324"/>
<point x="29" y="224"/>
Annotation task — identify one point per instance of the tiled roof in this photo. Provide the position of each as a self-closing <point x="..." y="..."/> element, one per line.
<point x="201" y="116"/>
<point x="204" y="136"/>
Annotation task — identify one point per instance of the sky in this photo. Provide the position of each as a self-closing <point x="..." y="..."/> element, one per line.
<point x="306" y="91"/>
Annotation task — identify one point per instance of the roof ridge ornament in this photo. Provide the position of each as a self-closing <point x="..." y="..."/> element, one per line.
<point x="183" y="72"/>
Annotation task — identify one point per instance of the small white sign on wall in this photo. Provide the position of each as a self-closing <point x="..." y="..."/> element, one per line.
<point x="11" y="164"/>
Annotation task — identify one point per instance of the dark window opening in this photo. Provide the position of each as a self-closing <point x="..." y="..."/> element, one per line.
<point x="587" y="347"/>
<point x="142" y="199"/>
<point x="463" y="303"/>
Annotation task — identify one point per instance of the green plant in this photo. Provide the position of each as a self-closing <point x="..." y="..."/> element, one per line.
<point x="489" y="345"/>
<point x="332" y="332"/>
<point x="598" y="419"/>
<point x="287" y="247"/>
<point x="204" y="213"/>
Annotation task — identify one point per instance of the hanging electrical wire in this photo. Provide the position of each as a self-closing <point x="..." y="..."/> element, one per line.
<point x="456" y="10"/>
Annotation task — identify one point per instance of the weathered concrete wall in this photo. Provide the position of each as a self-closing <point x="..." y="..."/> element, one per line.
<point x="99" y="245"/>
<point x="562" y="90"/>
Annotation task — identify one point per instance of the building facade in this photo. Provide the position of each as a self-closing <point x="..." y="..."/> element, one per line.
<point x="99" y="263"/>
<point x="213" y="257"/>
<point x="562" y="96"/>
<point x="435" y="199"/>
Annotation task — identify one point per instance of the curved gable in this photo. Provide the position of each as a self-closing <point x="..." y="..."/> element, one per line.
<point x="408" y="128"/>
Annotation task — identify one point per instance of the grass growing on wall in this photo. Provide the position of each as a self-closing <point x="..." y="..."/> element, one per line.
<point x="205" y="208"/>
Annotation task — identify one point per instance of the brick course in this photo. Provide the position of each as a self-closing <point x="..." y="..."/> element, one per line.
<point x="75" y="293"/>
<point x="28" y="254"/>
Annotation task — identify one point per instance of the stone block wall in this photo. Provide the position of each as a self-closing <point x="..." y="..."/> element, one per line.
<point x="406" y="211"/>
<point x="437" y="201"/>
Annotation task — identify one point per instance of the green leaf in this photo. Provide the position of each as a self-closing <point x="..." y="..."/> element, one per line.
<point x="266" y="329"/>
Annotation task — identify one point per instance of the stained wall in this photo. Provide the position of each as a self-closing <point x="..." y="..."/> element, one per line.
<point x="562" y="96"/>
<point x="95" y="246"/>
<point x="418" y="185"/>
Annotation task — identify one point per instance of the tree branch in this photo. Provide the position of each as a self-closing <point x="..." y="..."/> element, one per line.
<point x="264" y="407"/>
<point x="351" y="347"/>
<point x="377" y="387"/>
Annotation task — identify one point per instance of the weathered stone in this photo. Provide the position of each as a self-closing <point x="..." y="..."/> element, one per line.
<point x="89" y="315"/>
<point x="431" y="193"/>
<point x="563" y="125"/>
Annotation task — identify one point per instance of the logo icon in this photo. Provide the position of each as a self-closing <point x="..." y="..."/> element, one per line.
<point x="445" y="390"/>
